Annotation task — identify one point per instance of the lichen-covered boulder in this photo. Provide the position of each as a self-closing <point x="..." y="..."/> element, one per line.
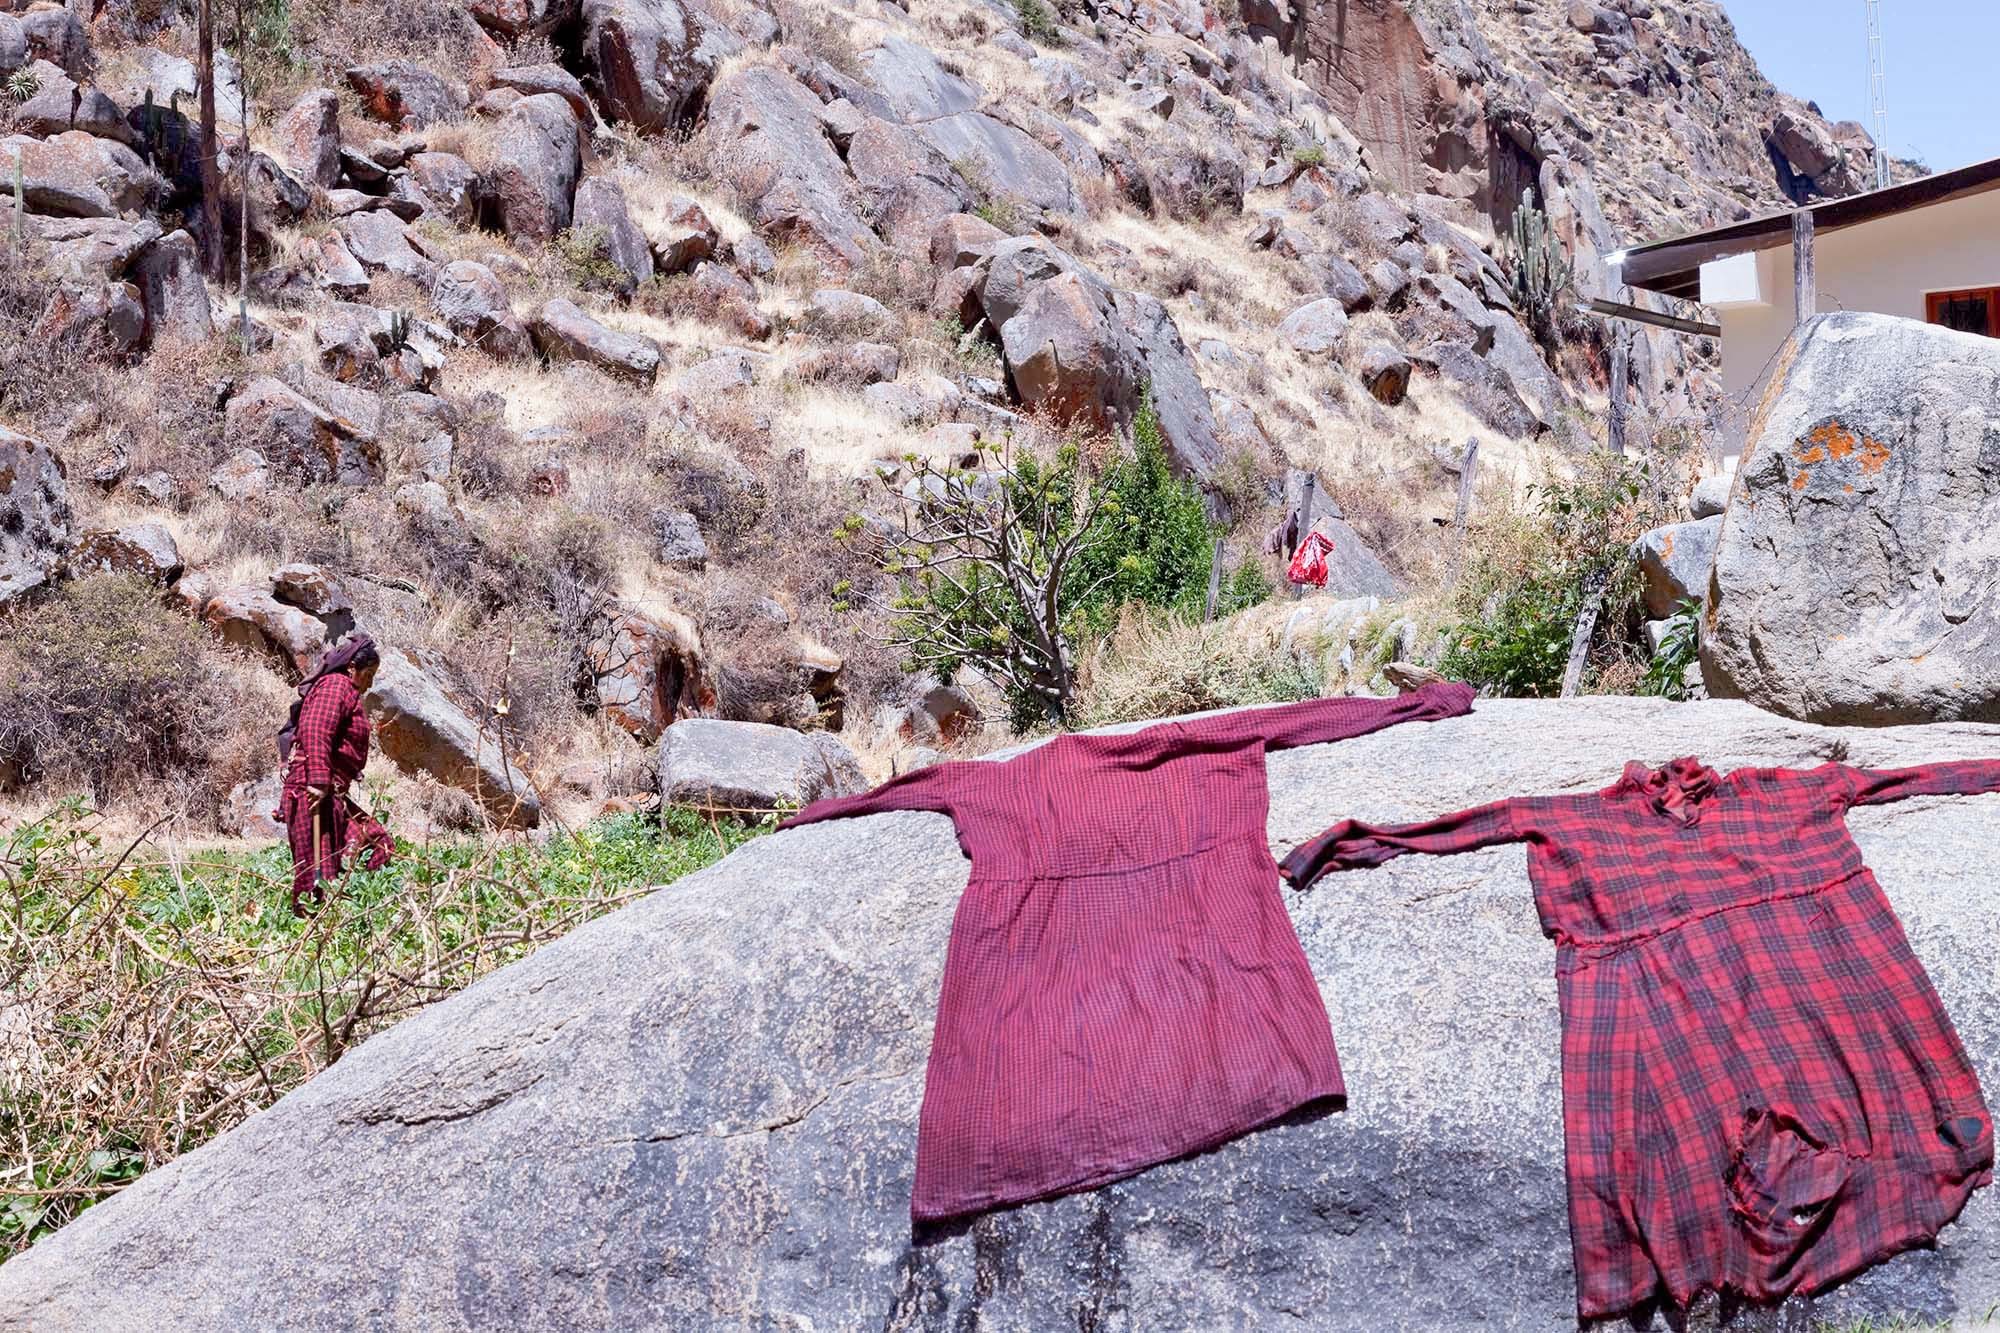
<point x="1857" y="574"/>
<point x="34" y="515"/>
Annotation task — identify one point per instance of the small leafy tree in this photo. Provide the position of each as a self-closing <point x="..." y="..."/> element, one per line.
<point x="1007" y="569"/>
<point x="989" y="567"/>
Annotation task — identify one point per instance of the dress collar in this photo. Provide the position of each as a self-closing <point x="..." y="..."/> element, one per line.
<point x="1677" y="789"/>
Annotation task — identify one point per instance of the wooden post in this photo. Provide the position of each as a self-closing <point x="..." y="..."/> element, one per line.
<point x="1214" y="579"/>
<point x="1621" y="372"/>
<point x="1586" y="626"/>
<point x="20" y="198"/>
<point x="1805" y="283"/>
<point x="1466" y="471"/>
<point x="243" y="187"/>
<point x="1306" y="490"/>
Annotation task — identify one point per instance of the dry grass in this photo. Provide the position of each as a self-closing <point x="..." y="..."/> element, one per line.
<point x="156" y="994"/>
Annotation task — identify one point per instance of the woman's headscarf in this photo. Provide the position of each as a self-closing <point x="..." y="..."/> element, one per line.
<point x="356" y="650"/>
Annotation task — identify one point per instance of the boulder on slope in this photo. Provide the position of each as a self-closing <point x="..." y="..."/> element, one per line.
<point x="1857" y="572"/>
<point x="422" y="731"/>
<point x="34" y="515"/>
<point x="580" y="1132"/>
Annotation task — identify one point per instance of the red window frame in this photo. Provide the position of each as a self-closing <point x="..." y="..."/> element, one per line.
<point x="1934" y="304"/>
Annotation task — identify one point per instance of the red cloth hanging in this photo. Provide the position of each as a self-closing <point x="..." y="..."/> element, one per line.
<point x="1309" y="561"/>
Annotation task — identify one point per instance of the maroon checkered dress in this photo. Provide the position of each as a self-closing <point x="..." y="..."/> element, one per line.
<point x="1123" y="985"/>
<point x="1761" y="1090"/>
<point x="329" y="751"/>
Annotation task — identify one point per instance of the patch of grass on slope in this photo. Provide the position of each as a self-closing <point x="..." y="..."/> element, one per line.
<point x="150" y="999"/>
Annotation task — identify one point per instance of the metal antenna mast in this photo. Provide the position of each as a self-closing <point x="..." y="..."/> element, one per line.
<point x="1878" y="94"/>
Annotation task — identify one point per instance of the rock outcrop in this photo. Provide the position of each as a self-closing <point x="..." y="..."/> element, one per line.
<point x="422" y="731"/>
<point x="746" y="767"/>
<point x="1857" y="574"/>
<point x="578" y="1132"/>
<point x="34" y="515"/>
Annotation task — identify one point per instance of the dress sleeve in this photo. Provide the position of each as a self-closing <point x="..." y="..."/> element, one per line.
<point x="1352" y="845"/>
<point x="321" y="716"/>
<point x="925" y="789"/>
<point x="1285" y="726"/>
<point x="1879" y="786"/>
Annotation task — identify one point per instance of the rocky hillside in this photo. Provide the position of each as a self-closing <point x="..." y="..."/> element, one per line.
<point x="578" y="348"/>
<point x="575" y="1135"/>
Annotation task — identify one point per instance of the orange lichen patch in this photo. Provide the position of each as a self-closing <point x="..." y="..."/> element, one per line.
<point x="1799" y="482"/>
<point x="1667" y="547"/>
<point x="1874" y="456"/>
<point x="1809" y="453"/>
<point x="1838" y="439"/>
<point x="1848" y="488"/>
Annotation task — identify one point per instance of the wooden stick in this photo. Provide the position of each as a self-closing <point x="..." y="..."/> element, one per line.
<point x="1805" y="284"/>
<point x="1586" y="626"/>
<point x="1306" y="490"/>
<point x="1466" y="471"/>
<point x="20" y="198"/>
<point x="1621" y="361"/>
<point x="1214" y="581"/>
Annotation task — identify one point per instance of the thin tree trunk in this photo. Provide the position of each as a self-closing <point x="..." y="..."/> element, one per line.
<point x="211" y="181"/>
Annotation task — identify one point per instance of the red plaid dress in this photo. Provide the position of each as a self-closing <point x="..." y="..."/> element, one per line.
<point x="1761" y="1090"/>
<point x="1123" y="985"/>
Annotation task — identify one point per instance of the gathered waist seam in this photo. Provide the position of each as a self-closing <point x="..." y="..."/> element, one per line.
<point x="1578" y="953"/>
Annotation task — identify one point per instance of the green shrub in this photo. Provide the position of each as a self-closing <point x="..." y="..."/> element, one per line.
<point x="586" y="257"/>
<point x="1522" y="592"/>
<point x="1312" y="155"/>
<point x="103" y="686"/>
<point x="1160" y="554"/>
<point x="1038" y="22"/>
<point x="1680" y="648"/>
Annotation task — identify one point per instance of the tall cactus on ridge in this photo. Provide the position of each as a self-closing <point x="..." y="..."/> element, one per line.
<point x="1543" y="272"/>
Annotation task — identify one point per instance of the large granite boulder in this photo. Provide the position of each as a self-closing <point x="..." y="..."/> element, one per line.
<point x="250" y="618"/>
<point x="564" y="333"/>
<point x="600" y="206"/>
<point x="142" y="550"/>
<point x="765" y="131"/>
<point x="1085" y="351"/>
<point x="651" y="60"/>
<point x="308" y="137"/>
<point x="581" y="1133"/>
<point x="744" y="767"/>
<point x="311" y="443"/>
<point x="77" y="174"/>
<point x="473" y="303"/>
<point x="1675" y="562"/>
<point x="1857" y="575"/>
<point x="406" y="95"/>
<point x="530" y="189"/>
<point x="34" y="515"/>
<point x="422" y="730"/>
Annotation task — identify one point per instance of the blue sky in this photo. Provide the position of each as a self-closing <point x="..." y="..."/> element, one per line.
<point x="1939" y="54"/>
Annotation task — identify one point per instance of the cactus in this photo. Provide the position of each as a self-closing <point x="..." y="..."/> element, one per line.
<point x="399" y="330"/>
<point x="1543" y="273"/>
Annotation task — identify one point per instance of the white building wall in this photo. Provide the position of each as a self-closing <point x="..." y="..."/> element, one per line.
<point x="1886" y="267"/>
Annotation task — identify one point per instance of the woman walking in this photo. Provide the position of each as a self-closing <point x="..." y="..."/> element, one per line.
<point x="327" y="741"/>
